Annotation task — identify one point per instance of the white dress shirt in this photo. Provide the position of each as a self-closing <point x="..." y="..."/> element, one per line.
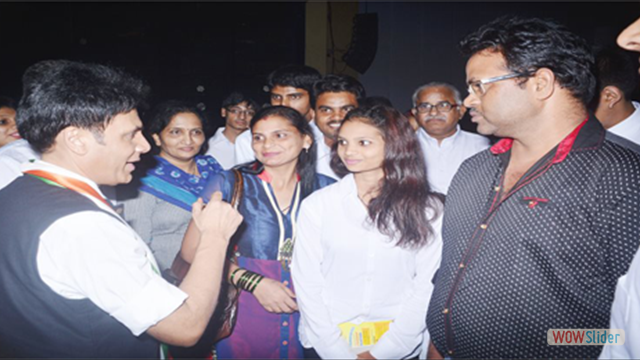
<point x="244" y="151"/>
<point x="222" y="149"/>
<point x="444" y="159"/>
<point x="625" y="315"/>
<point x="629" y="128"/>
<point x="323" y="160"/>
<point x="12" y="156"/>
<point x="92" y="255"/>
<point x="345" y="270"/>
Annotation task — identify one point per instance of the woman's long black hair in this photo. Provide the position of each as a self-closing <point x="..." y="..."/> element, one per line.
<point x="399" y="209"/>
<point x="306" y="165"/>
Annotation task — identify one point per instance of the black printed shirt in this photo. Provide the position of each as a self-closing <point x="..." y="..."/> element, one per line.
<point x="546" y="256"/>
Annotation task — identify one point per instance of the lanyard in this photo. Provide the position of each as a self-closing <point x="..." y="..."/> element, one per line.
<point x="68" y="183"/>
<point x="285" y="247"/>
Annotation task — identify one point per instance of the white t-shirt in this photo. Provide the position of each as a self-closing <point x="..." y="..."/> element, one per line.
<point x="92" y="255"/>
<point x="345" y="270"/>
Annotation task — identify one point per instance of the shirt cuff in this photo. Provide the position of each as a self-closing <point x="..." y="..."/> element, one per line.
<point x="153" y="303"/>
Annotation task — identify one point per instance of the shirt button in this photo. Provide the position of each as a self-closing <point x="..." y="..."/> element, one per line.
<point x="483" y="226"/>
<point x="285" y="283"/>
<point x="285" y="343"/>
<point x="461" y="266"/>
<point x="445" y="311"/>
<point x="285" y="323"/>
<point x="450" y="352"/>
<point x="497" y="188"/>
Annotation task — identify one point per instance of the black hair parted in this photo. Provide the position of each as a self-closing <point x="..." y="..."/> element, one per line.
<point x="164" y="112"/>
<point x="529" y="44"/>
<point x="7" y="102"/>
<point x="306" y="166"/>
<point x="297" y="76"/>
<point x="61" y="93"/>
<point x="237" y="97"/>
<point x="616" y="67"/>
<point x="338" y="83"/>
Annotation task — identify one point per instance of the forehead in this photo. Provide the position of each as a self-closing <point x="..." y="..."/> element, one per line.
<point x="242" y="105"/>
<point x="286" y="90"/>
<point x="436" y="94"/>
<point x="185" y="120"/>
<point x="337" y="99"/>
<point x="7" y="111"/>
<point x="358" y="128"/>
<point x="485" y="63"/>
<point x="271" y="124"/>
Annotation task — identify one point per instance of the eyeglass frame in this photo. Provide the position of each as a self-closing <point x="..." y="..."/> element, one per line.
<point x="238" y="112"/>
<point x="431" y="106"/>
<point x="483" y="82"/>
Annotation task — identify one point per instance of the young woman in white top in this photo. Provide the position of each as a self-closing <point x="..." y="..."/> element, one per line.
<point x="369" y="245"/>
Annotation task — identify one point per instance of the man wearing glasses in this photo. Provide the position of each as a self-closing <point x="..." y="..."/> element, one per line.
<point x="537" y="229"/>
<point x="438" y="107"/>
<point x="237" y="110"/>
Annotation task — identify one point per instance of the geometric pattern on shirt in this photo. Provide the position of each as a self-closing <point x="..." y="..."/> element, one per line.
<point x="534" y="268"/>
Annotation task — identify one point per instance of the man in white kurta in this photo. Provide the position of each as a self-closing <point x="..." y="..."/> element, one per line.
<point x="438" y="109"/>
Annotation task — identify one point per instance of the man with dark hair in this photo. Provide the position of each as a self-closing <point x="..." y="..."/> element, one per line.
<point x="333" y="97"/>
<point x="237" y="110"/>
<point x="538" y="228"/>
<point x="617" y="79"/>
<point x="289" y="86"/>
<point x="625" y="311"/>
<point x="437" y="106"/>
<point x="75" y="280"/>
<point x="14" y="150"/>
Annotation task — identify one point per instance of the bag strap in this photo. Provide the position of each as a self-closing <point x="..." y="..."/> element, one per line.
<point x="238" y="186"/>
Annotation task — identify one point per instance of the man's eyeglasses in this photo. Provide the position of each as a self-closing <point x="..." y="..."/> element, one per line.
<point x="478" y="87"/>
<point x="236" y="111"/>
<point x="442" y="107"/>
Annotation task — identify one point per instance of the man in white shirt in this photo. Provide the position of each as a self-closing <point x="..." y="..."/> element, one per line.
<point x="289" y="86"/>
<point x="75" y="279"/>
<point x="334" y="96"/>
<point x="625" y="311"/>
<point x="11" y="157"/>
<point x="617" y="79"/>
<point x="438" y="108"/>
<point x="237" y="110"/>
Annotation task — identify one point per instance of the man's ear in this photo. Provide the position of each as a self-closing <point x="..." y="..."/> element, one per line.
<point x="156" y="139"/>
<point x="75" y="139"/>
<point x="312" y="115"/>
<point x="610" y="96"/>
<point x="462" y="109"/>
<point x="223" y="113"/>
<point x="544" y="82"/>
<point x="415" y="113"/>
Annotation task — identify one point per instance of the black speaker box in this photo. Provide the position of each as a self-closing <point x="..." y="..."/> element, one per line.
<point x="364" y="42"/>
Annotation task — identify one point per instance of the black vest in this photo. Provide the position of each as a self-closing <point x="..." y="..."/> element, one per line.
<point x="34" y="320"/>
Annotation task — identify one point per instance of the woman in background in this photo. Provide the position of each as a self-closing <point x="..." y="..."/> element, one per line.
<point x="369" y="245"/>
<point x="273" y="188"/>
<point x="161" y="211"/>
<point x="8" y="128"/>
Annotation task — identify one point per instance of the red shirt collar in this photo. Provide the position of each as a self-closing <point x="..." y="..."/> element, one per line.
<point x="563" y="150"/>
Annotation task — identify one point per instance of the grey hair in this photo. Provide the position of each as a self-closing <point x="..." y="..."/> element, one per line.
<point x="456" y="93"/>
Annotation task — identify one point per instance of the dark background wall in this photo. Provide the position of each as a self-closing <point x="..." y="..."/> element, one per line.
<point x="194" y="51"/>
<point x="418" y="41"/>
<point x="201" y="51"/>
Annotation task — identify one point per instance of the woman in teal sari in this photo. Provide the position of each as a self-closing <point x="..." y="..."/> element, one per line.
<point x="161" y="209"/>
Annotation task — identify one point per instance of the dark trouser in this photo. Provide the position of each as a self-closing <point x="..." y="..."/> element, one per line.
<point x="310" y="353"/>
